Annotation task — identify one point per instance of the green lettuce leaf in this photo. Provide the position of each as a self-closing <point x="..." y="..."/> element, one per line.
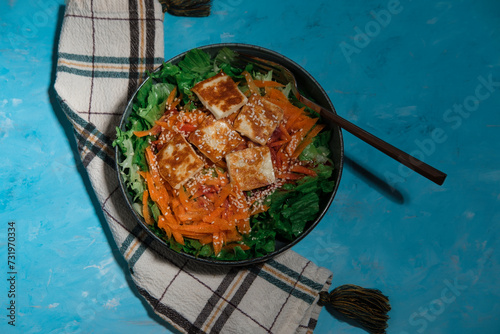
<point x="196" y="61"/>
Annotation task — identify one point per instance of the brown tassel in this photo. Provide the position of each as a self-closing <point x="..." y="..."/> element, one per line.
<point x="367" y="307"/>
<point x="193" y="8"/>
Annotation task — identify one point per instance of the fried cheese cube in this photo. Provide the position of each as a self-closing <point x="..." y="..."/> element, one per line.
<point x="177" y="160"/>
<point x="215" y="138"/>
<point x="251" y="168"/>
<point x="220" y="95"/>
<point x="258" y="119"/>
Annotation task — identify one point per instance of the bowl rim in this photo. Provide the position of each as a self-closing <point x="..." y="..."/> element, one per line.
<point x="294" y="67"/>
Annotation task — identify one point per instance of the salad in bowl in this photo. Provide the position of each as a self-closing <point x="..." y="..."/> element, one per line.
<point x="221" y="163"/>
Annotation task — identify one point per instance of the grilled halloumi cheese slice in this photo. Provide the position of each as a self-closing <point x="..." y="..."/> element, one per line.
<point x="220" y="95"/>
<point x="215" y="138"/>
<point x="258" y="119"/>
<point x="251" y="168"/>
<point x="177" y="161"/>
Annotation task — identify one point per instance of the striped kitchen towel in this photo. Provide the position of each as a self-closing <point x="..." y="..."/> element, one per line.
<point x="104" y="51"/>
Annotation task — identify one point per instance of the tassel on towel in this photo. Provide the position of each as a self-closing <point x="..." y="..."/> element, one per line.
<point x="367" y="307"/>
<point x="192" y="8"/>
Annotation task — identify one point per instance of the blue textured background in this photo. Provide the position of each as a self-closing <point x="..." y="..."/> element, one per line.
<point x="433" y="250"/>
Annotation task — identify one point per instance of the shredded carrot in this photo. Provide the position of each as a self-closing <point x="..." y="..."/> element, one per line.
<point x="217" y="242"/>
<point x="176" y="101"/>
<point x="145" y="209"/>
<point x="303" y="170"/>
<point x="233" y="236"/>
<point x="222" y="224"/>
<point x="210" y="208"/>
<point x="277" y="143"/>
<point x="193" y="216"/>
<point x="163" y="124"/>
<point x="183" y="196"/>
<point x="305" y="126"/>
<point x="251" y="83"/>
<point x="178" y="236"/>
<point x="170" y="219"/>
<point x="258" y="209"/>
<point x="154" y="131"/>
<point x="244" y="226"/>
<point x="223" y="194"/>
<point x="216" y="213"/>
<point x="144" y="133"/>
<point x="187" y="127"/>
<point x="171" y="96"/>
<point x="276" y="94"/>
<point x="199" y="228"/>
<point x="307" y="140"/>
<point x="267" y="83"/>
<point x="158" y="194"/>
<point x="206" y="239"/>
<point x="289" y="176"/>
<point x="284" y="131"/>
<point x="282" y="159"/>
<point x="153" y="168"/>
<point x="162" y="223"/>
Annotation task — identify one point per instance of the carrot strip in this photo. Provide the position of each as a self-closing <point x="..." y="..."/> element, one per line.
<point x="307" y="140"/>
<point x="162" y="223"/>
<point x="149" y="183"/>
<point x="163" y="197"/>
<point x="258" y="209"/>
<point x="232" y="236"/>
<point x="241" y="215"/>
<point x="303" y="170"/>
<point x="190" y="216"/>
<point x="291" y="121"/>
<point x="278" y="143"/>
<point x="145" y="209"/>
<point x="214" y="214"/>
<point x="305" y="126"/>
<point x="251" y="83"/>
<point x="223" y="194"/>
<point x="199" y="228"/>
<point x="217" y="242"/>
<point x="144" y="133"/>
<point x="171" y="96"/>
<point x="176" y="101"/>
<point x="178" y="237"/>
<point x="222" y="224"/>
<point x="212" y="182"/>
<point x="206" y="239"/>
<point x="284" y="131"/>
<point x="183" y="196"/>
<point x="267" y="83"/>
<point x="163" y="124"/>
<point x="244" y="226"/>
<point x="153" y="168"/>
<point x="187" y="127"/>
<point x="170" y="219"/>
<point x="178" y="211"/>
<point x="154" y="131"/>
<point x="289" y="176"/>
<point x="159" y="195"/>
<point x="277" y="95"/>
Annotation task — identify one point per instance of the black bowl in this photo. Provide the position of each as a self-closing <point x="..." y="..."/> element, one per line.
<point x="312" y="89"/>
